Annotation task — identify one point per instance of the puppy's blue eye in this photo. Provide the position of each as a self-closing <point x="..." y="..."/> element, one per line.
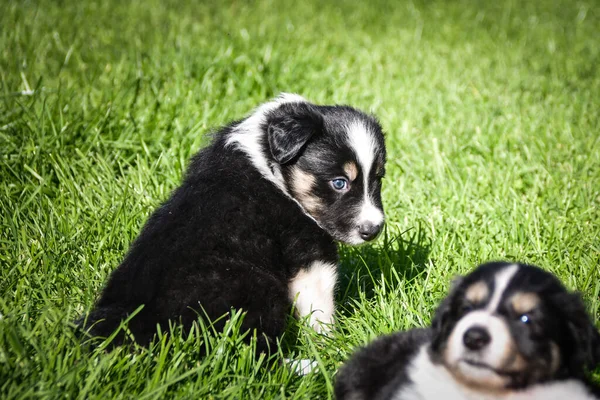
<point x="524" y="318"/>
<point x="339" y="184"/>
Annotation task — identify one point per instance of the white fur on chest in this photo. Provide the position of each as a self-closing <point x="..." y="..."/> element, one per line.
<point x="432" y="382"/>
<point x="312" y="290"/>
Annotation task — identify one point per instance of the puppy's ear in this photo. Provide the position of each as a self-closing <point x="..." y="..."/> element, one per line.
<point x="441" y="323"/>
<point x="289" y="127"/>
<point x="583" y="332"/>
<point x="455" y="283"/>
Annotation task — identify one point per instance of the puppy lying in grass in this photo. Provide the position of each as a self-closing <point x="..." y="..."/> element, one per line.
<point x="253" y="226"/>
<point x="505" y="331"/>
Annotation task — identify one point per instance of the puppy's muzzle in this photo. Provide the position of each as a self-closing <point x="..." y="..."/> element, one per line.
<point x="476" y="338"/>
<point x="368" y="230"/>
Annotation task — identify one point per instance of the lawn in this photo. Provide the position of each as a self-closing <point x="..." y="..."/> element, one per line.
<point x="492" y="119"/>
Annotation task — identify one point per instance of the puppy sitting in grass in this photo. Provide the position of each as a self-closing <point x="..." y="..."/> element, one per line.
<point x="253" y="225"/>
<point x="506" y="331"/>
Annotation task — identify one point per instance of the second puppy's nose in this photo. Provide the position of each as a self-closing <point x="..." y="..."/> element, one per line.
<point x="476" y="338"/>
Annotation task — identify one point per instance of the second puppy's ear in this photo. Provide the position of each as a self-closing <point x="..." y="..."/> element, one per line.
<point x="289" y="127"/>
<point x="441" y="324"/>
<point x="584" y="335"/>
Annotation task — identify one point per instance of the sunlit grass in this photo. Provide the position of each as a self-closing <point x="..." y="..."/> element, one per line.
<point x="493" y="134"/>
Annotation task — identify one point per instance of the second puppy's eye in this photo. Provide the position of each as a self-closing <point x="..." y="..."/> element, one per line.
<point x="525" y="318"/>
<point x="339" y="184"/>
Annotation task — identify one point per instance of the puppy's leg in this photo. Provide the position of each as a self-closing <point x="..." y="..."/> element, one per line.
<point x="312" y="290"/>
<point x="222" y="287"/>
<point x="103" y="321"/>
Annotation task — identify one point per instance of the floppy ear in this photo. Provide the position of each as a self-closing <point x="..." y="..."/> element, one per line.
<point x="440" y="325"/>
<point x="289" y="127"/>
<point x="583" y="332"/>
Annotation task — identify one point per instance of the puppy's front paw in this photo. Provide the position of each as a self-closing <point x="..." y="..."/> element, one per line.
<point x="321" y="322"/>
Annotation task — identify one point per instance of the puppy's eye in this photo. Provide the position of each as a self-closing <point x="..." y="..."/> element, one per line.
<point x="525" y="318"/>
<point x="339" y="184"/>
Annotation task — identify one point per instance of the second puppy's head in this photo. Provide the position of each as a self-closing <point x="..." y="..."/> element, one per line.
<point x="507" y="326"/>
<point x="330" y="159"/>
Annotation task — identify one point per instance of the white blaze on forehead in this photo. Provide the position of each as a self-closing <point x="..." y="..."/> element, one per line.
<point x="501" y="281"/>
<point x="363" y="143"/>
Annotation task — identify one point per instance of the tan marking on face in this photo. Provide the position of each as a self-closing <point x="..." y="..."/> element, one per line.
<point x="302" y="184"/>
<point x="351" y="170"/>
<point x="478" y="292"/>
<point x="524" y="302"/>
<point x="513" y="360"/>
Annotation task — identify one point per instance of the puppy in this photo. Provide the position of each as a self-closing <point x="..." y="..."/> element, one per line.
<point x="506" y="331"/>
<point x="253" y="226"/>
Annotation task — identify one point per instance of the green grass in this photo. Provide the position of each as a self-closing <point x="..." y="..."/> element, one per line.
<point x="493" y="134"/>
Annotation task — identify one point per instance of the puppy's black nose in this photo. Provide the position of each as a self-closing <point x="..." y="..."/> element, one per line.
<point x="476" y="338"/>
<point x="368" y="230"/>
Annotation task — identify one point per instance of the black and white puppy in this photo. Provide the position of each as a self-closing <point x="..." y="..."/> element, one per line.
<point x="506" y="331"/>
<point x="253" y="225"/>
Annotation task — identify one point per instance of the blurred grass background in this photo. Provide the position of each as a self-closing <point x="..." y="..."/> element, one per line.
<point x="493" y="135"/>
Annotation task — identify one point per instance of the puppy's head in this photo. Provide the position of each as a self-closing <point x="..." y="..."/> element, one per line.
<point x="330" y="159"/>
<point x="509" y="326"/>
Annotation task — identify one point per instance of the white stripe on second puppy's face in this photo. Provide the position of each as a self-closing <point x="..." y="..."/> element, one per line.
<point x="312" y="290"/>
<point x="365" y="148"/>
<point x="501" y="281"/>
